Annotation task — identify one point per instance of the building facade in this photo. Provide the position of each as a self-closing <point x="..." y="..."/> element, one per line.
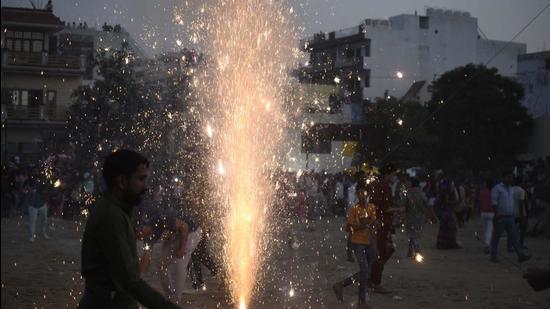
<point x="397" y="57"/>
<point x="534" y="75"/>
<point x="378" y="58"/>
<point x="37" y="81"/>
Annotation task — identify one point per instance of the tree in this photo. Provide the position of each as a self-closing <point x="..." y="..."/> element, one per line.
<point x="395" y="133"/>
<point x="477" y="119"/>
<point x="115" y="112"/>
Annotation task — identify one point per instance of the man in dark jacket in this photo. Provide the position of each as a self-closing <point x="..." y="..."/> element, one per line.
<point x="109" y="255"/>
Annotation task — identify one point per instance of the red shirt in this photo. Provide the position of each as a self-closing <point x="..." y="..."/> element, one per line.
<point x="485" y="200"/>
<point x="383" y="200"/>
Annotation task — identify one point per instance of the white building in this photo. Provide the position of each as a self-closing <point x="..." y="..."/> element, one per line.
<point x="386" y="57"/>
<point x="534" y="74"/>
<point x="396" y="57"/>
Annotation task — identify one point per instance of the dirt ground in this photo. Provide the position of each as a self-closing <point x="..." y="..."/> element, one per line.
<point x="45" y="274"/>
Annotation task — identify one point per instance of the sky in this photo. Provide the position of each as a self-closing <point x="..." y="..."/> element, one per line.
<point x="151" y="22"/>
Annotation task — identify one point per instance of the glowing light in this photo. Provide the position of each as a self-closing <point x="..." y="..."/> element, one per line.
<point x="178" y="42"/>
<point x="419" y="258"/>
<point x="57" y="183"/>
<point x="337" y="79"/>
<point x="221" y="169"/>
<point x="146" y="248"/>
<point x="400" y="122"/>
<point x="209" y="131"/>
<point x="399" y="74"/>
<point x="176" y="179"/>
<point x="291" y="292"/>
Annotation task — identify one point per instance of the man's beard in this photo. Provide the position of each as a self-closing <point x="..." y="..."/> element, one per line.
<point x="134" y="199"/>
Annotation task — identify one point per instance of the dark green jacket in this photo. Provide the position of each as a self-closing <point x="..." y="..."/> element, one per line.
<point x="110" y="263"/>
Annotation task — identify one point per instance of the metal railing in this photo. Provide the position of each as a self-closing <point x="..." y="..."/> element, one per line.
<point x="10" y="58"/>
<point x="46" y="113"/>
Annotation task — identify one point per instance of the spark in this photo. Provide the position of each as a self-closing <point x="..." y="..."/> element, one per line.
<point x="209" y="131"/>
<point x="419" y="258"/>
<point x="221" y="169"/>
<point x="57" y="183"/>
<point x="399" y="74"/>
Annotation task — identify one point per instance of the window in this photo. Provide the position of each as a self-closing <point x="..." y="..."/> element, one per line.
<point x="367" y="48"/>
<point x="24" y="97"/>
<point x="366" y="78"/>
<point x="38" y="35"/>
<point x="26" y="46"/>
<point x="25" y="41"/>
<point x="36" y="97"/>
<point x="50" y="99"/>
<point x="424" y="22"/>
<point x="10" y="96"/>
<point x="9" y="44"/>
<point x="37" y="46"/>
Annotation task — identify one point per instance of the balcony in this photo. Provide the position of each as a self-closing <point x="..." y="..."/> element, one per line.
<point x="39" y="114"/>
<point x="42" y="62"/>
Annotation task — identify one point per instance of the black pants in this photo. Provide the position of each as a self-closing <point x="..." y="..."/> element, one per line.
<point x="201" y="256"/>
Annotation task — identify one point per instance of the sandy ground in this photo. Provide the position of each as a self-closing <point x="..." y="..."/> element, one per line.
<point x="45" y="274"/>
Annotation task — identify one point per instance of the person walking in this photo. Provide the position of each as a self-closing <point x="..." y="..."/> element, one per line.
<point x="382" y="198"/>
<point x="361" y="222"/>
<point x="181" y="236"/>
<point x="416" y="212"/>
<point x="487" y="214"/>
<point x="37" y="206"/>
<point x="502" y="199"/>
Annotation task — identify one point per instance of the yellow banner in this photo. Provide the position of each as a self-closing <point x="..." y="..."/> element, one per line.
<point x="349" y="149"/>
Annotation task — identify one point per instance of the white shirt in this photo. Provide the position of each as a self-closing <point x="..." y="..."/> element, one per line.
<point x="519" y="197"/>
<point x="339" y="192"/>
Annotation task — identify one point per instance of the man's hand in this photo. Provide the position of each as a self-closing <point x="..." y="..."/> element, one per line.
<point x="145" y="261"/>
<point x="180" y="253"/>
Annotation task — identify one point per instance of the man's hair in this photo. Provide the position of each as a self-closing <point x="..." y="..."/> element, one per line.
<point x="121" y="162"/>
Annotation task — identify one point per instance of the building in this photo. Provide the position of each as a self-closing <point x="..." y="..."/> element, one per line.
<point x="397" y="57"/>
<point x="79" y="39"/>
<point x="534" y="75"/>
<point x="38" y="79"/>
<point x="378" y="58"/>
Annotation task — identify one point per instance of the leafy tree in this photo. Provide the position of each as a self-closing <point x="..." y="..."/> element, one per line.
<point x="477" y="118"/>
<point x="115" y="112"/>
<point x="395" y="133"/>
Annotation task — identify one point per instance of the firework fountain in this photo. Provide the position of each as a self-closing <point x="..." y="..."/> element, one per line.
<point x="251" y="47"/>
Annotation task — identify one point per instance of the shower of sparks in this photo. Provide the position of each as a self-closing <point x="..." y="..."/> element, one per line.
<point x="251" y="55"/>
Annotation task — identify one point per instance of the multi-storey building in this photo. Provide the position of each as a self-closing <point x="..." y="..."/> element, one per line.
<point x="397" y="57"/>
<point x="38" y="79"/>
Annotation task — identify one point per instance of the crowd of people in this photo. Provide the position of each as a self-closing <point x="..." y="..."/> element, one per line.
<point x="51" y="189"/>
<point x="373" y="204"/>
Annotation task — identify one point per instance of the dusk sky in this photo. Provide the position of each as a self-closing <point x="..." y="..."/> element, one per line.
<point x="151" y="21"/>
